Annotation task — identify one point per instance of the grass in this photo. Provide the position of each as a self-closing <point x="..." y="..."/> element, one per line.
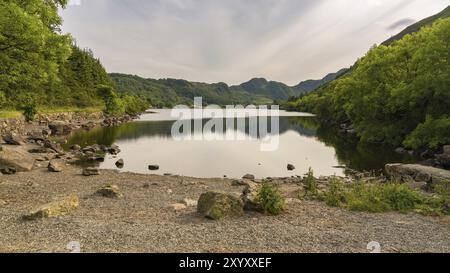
<point x="10" y="114"/>
<point x="7" y="114"/>
<point x="386" y="197"/>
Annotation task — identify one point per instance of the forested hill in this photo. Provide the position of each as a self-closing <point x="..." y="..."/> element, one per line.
<point x="41" y="68"/>
<point x="397" y="94"/>
<point x="170" y="92"/>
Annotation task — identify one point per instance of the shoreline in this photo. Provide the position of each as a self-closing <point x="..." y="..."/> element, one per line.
<point x="157" y="213"/>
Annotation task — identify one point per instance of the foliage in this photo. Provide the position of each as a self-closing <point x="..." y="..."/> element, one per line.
<point x="385" y="197"/>
<point x="29" y="109"/>
<point x="270" y="199"/>
<point x="310" y="185"/>
<point x="392" y="91"/>
<point x="432" y="133"/>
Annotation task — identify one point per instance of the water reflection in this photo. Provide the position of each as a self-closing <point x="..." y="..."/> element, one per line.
<point x="302" y="143"/>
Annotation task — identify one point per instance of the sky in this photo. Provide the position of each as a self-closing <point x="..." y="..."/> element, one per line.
<point x="233" y="41"/>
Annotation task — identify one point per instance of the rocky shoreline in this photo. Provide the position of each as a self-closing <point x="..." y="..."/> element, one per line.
<point x="46" y="202"/>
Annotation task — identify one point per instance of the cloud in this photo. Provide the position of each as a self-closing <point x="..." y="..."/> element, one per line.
<point x="401" y="23"/>
<point x="235" y="40"/>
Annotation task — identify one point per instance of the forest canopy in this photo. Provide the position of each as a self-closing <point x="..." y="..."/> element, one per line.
<point x="41" y="67"/>
<point x="397" y="94"/>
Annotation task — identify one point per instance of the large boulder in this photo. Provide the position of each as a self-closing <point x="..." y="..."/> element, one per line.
<point x="13" y="139"/>
<point x="417" y="173"/>
<point x="14" y="157"/>
<point x="54" y="209"/>
<point x="60" y="128"/>
<point x="217" y="206"/>
<point x="444" y="160"/>
<point x="250" y="197"/>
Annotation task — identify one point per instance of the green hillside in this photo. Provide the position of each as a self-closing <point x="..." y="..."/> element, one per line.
<point x="396" y="94"/>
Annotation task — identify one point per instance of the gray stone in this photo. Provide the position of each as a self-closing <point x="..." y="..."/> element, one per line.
<point x="60" y="128"/>
<point x="120" y="163"/>
<point x="14" y="157"/>
<point x="290" y="167"/>
<point x="418" y="173"/>
<point x="446" y="149"/>
<point x="110" y="191"/>
<point x="153" y="167"/>
<point x="218" y="206"/>
<point x="55" y="166"/>
<point x="250" y="197"/>
<point x="13" y="139"/>
<point x="91" y="171"/>
<point x="249" y="177"/>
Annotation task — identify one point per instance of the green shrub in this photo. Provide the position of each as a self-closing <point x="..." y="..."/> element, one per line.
<point x="336" y="195"/>
<point x="2" y="99"/>
<point x="310" y="184"/>
<point x="270" y="199"/>
<point x="430" y="134"/>
<point x="29" y="109"/>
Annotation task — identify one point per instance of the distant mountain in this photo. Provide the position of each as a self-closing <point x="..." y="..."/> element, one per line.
<point x="417" y="26"/>
<point x="311" y="85"/>
<point x="171" y="92"/>
<point x="269" y="89"/>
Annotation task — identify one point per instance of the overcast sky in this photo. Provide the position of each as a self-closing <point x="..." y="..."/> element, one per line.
<point x="235" y="40"/>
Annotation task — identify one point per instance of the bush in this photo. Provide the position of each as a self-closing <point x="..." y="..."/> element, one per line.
<point x="2" y="99"/>
<point x="29" y="109"/>
<point x="270" y="199"/>
<point x="310" y="184"/>
<point x="336" y="196"/>
<point x="430" y="134"/>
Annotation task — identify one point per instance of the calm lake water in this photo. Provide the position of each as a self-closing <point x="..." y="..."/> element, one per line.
<point x="302" y="143"/>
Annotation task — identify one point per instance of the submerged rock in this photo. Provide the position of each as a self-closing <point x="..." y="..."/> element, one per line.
<point x="120" y="163"/>
<point x="54" y="209"/>
<point x="60" y="128"/>
<point x="290" y="167"/>
<point x="153" y="167"/>
<point x="16" y="158"/>
<point x="217" y="206"/>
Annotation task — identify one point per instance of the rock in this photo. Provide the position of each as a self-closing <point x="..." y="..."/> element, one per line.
<point x="91" y="171"/>
<point x="41" y="150"/>
<point x="75" y="147"/>
<point x="120" y="163"/>
<point x="418" y="173"/>
<point x="426" y="154"/>
<point x="153" y="167"/>
<point x="446" y="149"/>
<point x="53" y="146"/>
<point x="55" y="166"/>
<point x="189" y="202"/>
<point x="238" y="183"/>
<point x="250" y="197"/>
<point x="249" y="177"/>
<point x="16" y="158"/>
<point x="60" y="128"/>
<point x="169" y="191"/>
<point x="13" y="139"/>
<point x="444" y="160"/>
<point x="54" y="209"/>
<point x="217" y="206"/>
<point x="114" y="150"/>
<point x="178" y="207"/>
<point x="98" y="158"/>
<point x="351" y="131"/>
<point x="8" y="170"/>
<point x="110" y="191"/>
<point x="400" y="150"/>
<point x="290" y="167"/>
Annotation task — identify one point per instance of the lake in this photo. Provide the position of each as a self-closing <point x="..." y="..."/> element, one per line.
<point x="302" y="143"/>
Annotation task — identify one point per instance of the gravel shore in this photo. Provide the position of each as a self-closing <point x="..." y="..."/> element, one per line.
<point x="143" y="221"/>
